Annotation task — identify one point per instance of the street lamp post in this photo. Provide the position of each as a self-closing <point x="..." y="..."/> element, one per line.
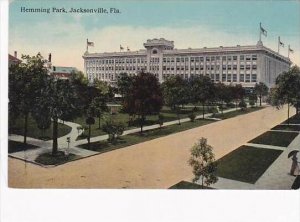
<point x="68" y="141"/>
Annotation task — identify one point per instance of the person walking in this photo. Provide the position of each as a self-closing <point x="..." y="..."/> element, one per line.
<point x="295" y="166"/>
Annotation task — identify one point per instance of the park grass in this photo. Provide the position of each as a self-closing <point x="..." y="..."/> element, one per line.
<point x="236" y="113"/>
<point x="59" y="158"/>
<point x="169" y="115"/>
<point x="14" y="146"/>
<point x="294" y="119"/>
<point x="188" y="185"/>
<point x="135" y="138"/>
<point x="287" y="127"/>
<point x="275" y="138"/>
<point x="246" y="164"/>
<point x="34" y="132"/>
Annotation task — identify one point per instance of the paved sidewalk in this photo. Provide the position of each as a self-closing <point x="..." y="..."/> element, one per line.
<point x="155" y="126"/>
<point x="277" y="175"/>
<point x="266" y="146"/>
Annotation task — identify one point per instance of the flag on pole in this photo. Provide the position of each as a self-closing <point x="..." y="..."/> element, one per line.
<point x="90" y="43"/>
<point x="121" y="48"/>
<point x="281" y="43"/>
<point x="263" y="31"/>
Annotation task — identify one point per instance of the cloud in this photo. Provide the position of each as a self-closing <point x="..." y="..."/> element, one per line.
<point x="67" y="42"/>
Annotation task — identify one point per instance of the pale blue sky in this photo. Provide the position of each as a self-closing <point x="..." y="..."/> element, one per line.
<point x="228" y="23"/>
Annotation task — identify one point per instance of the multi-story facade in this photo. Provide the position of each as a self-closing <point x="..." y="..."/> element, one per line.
<point x="231" y="65"/>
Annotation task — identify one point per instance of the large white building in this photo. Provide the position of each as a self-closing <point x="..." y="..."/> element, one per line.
<point x="239" y="64"/>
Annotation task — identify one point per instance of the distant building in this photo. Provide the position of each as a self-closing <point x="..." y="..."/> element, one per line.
<point x="61" y="72"/>
<point x="12" y="60"/>
<point x="246" y="65"/>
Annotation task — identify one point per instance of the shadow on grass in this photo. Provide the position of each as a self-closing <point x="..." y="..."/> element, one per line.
<point x="14" y="146"/>
<point x="275" y="138"/>
<point x="246" y="164"/>
<point x="188" y="185"/>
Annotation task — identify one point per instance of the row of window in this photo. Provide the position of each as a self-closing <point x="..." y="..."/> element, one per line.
<point x="172" y="59"/>
<point x="225" y="78"/>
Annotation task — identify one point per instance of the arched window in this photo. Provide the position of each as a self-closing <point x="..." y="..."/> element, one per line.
<point x="154" y="51"/>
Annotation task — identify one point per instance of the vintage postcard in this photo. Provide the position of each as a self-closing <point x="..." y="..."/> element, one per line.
<point x="154" y="94"/>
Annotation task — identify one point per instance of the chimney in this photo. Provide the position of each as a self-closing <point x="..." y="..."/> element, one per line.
<point x="16" y="54"/>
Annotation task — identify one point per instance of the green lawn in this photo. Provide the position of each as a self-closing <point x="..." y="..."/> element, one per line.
<point x="60" y="158"/>
<point x="287" y="127"/>
<point x="169" y="115"/>
<point x="236" y="113"/>
<point x="294" y="119"/>
<point x="275" y="138"/>
<point x="131" y="139"/>
<point x="34" y="132"/>
<point x="246" y="163"/>
<point x="14" y="146"/>
<point x="188" y="185"/>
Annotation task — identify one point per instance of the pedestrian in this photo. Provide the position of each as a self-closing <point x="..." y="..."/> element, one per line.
<point x="295" y="166"/>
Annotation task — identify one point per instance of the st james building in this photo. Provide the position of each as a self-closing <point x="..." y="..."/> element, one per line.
<point x="244" y="65"/>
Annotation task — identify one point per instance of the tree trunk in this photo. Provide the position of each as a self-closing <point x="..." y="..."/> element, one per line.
<point x="142" y="123"/>
<point x="260" y="101"/>
<point x="222" y="107"/>
<point x="25" y="128"/>
<point x="54" y="136"/>
<point x="99" y="120"/>
<point x="89" y="136"/>
<point x="178" y="117"/>
<point x="288" y="114"/>
<point x="202" y="110"/>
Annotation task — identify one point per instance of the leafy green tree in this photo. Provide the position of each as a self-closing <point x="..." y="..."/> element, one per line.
<point x="252" y="98"/>
<point x="89" y="121"/>
<point x="59" y="98"/>
<point x="261" y="90"/>
<point x="144" y="97"/>
<point x="98" y="107"/>
<point x="202" y="161"/>
<point x="175" y="93"/>
<point x="26" y="80"/>
<point x="113" y="129"/>
<point x="286" y="90"/>
<point x="160" y="121"/>
<point x="222" y="94"/>
<point x="124" y="83"/>
<point x="238" y="93"/>
<point x="202" y="90"/>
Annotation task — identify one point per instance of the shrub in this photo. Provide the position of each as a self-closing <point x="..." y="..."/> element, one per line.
<point x="251" y="103"/>
<point x="230" y="105"/>
<point x="161" y="120"/>
<point x="243" y="105"/>
<point x="195" y="109"/>
<point x="192" y="117"/>
<point x="113" y="129"/>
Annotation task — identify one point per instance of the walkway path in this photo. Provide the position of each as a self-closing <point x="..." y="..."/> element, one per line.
<point x="145" y="128"/>
<point x="159" y="163"/>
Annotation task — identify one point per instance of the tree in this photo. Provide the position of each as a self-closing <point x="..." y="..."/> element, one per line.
<point x="286" y="90"/>
<point x="261" y="90"/>
<point x="175" y="93"/>
<point x="113" y="129"/>
<point x="98" y="107"/>
<point x="160" y="120"/>
<point x="59" y="98"/>
<point x="202" y="90"/>
<point x="222" y="94"/>
<point x="26" y="80"/>
<point x="89" y="121"/>
<point x="144" y="97"/>
<point x="203" y="162"/>
<point x="252" y="98"/>
<point x="124" y="82"/>
<point x="237" y="93"/>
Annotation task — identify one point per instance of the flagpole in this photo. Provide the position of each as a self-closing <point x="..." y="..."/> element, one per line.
<point x="87" y="45"/>
<point x="278" y="43"/>
<point x="260" y="31"/>
<point x="289" y="51"/>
